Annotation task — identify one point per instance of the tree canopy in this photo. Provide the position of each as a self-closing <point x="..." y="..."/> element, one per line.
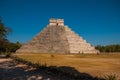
<point x="109" y="48"/>
<point x="4" y="31"/>
<point x="5" y="45"/>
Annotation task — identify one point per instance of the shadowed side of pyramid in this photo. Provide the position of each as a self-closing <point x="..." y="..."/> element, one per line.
<point x="57" y="38"/>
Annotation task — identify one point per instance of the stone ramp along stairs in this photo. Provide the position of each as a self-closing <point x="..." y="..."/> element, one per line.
<point x="57" y="38"/>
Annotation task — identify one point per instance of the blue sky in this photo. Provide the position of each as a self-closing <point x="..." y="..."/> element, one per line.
<point x="97" y="21"/>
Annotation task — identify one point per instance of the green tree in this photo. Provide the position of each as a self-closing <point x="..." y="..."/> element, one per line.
<point x="4" y="31"/>
<point x="6" y="46"/>
<point x="109" y="48"/>
<point x="12" y="47"/>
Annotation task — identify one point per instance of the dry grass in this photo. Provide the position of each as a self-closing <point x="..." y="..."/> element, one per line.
<point x="96" y="65"/>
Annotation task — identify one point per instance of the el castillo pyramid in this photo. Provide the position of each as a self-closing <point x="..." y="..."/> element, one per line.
<point x="57" y="38"/>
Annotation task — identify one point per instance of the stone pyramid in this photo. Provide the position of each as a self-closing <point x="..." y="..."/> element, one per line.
<point x="57" y="38"/>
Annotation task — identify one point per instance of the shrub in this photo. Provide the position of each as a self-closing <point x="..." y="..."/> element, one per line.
<point x="8" y="54"/>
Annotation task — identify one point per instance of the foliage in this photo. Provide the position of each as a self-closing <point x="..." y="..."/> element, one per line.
<point x="109" y="48"/>
<point x="8" y="47"/>
<point x="3" y="30"/>
<point x="8" y="54"/>
<point x="5" y="45"/>
<point x="12" y="47"/>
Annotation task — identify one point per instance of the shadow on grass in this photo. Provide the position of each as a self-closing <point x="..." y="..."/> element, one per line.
<point x="9" y="71"/>
<point x="68" y="73"/>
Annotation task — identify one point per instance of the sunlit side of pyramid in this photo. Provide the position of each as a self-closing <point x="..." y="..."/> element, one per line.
<point x="57" y="38"/>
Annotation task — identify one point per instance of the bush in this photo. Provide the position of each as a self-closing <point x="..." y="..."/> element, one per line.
<point x="8" y="54"/>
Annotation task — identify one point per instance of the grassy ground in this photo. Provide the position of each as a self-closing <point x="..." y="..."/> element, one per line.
<point x="96" y="65"/>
